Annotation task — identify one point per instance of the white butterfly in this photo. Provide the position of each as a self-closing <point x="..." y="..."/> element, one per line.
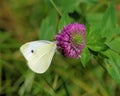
<point x="38" y="54"/>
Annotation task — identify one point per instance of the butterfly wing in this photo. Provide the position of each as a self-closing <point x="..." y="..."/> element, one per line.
<point x="39" y="54"/>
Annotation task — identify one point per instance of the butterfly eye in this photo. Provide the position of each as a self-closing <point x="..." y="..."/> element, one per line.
<point x="32" y="51"/>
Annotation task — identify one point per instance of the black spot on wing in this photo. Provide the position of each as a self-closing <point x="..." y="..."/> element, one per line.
<point x="32" y="51"/>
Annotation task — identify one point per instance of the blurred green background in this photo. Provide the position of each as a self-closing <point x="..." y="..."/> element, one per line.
<point x="22" y="21"/>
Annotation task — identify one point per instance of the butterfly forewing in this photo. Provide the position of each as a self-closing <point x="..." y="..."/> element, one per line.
<point x="39" y="54"/>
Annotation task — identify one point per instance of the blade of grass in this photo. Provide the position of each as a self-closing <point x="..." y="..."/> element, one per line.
<point x="56" y="7"/>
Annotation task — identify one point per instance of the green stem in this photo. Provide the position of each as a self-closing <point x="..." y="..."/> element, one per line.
<point x="56" y="7"/>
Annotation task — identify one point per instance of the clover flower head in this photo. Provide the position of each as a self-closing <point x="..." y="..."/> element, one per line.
<point x="71" y="40"/>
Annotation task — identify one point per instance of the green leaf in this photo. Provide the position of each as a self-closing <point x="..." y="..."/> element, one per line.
<point x="115" y="44"/>
<point x="98" y="47"/>
<point x="65" y="19"/>
<point x="117" y="31"/>
<point x="68" y="6"/>
<point x="94" y="19"/>
<point x="85" y="56"/>
<point x="96" y="43"/>
<point x="109" y="22"/>
<point x="104" y="29"/>
<point x="113" y="65"/>
<point x="48" y="27"/>
<point x="93" y="35"/>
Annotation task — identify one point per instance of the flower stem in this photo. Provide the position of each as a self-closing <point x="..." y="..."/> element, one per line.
<point x="56" y="7"/>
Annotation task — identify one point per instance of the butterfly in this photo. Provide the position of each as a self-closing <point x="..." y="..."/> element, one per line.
<point x="38" y="54"/>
